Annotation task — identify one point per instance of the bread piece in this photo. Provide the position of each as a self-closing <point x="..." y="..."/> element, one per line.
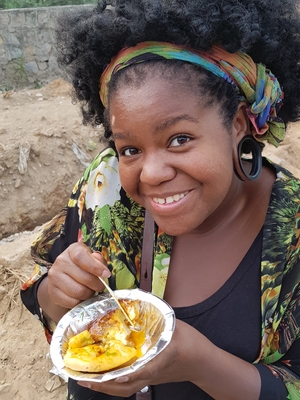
<point x="98" y="358"/>
<point x="108" y="344"/>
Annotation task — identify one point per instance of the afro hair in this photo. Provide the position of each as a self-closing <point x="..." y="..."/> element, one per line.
<point x="268" y="31"/>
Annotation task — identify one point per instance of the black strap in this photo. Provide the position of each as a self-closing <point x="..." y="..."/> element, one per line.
<point x="146" y="278"/>
<point x="147" y="254"/>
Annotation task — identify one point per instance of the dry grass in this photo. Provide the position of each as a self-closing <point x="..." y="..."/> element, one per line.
<point x="11" y="280"/>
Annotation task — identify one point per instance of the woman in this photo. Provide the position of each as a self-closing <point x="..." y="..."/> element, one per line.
<point x="183" y="92"/>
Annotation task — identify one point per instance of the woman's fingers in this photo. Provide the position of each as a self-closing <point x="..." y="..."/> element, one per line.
<point x="93" y="263"/>
<point x="114" y="388"/>
<point x="74" y="275"/>
<point x="67" y="288"/>
<point x="64" y="300"/>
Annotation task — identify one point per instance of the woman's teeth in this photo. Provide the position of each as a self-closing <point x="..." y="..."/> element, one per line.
<point x="169" y="199"/>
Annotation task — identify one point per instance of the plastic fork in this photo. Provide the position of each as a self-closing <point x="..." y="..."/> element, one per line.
<point x="133" y="327"/>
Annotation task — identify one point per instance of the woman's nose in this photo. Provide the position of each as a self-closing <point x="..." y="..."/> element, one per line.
<point x="156" y="169"/>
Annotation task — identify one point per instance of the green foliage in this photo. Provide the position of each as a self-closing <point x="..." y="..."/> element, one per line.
<point x="19" y="73"/>
<point x="8" y="4"/>
<point x="5" y="87"/>
<point x="16" y="75"/>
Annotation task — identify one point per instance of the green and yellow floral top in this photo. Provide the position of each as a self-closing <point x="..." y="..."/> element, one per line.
<point x="100" y="214"/>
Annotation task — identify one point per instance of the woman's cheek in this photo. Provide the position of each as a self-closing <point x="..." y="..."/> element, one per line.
<point x="129" y="178"/>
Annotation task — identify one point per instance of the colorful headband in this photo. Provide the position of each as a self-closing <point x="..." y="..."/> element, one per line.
<point x="257" y="85"/>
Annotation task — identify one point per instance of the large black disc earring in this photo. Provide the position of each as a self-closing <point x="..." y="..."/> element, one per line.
<point x="249" y="145"/>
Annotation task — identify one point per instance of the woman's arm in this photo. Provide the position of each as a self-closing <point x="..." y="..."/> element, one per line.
<point x="72" y="278"/>
<point x="190" y="356"/>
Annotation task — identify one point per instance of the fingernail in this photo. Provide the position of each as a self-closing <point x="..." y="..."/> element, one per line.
<point x="85" y="384"/>
<point x="105" y="274"/>
<point x="122" y="379"/>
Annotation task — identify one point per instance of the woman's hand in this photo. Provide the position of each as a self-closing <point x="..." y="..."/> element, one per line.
<point x="190" y="356"/>
<point x="177" y="362"/>
<point x="74" y="276"/>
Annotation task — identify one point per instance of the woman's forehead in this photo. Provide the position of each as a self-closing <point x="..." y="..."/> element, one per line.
<point x="155" y="92"/>
<point x="158" y="105"/>
<point x="155" y="88"/>
<point x="174" y="72"/>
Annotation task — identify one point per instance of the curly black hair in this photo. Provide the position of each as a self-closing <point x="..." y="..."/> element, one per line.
<point x="269" y="31"/>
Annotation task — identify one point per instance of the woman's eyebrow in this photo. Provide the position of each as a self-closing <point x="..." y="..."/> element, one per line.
<point x="122" y="135"/>
<point x="173" y="121"/>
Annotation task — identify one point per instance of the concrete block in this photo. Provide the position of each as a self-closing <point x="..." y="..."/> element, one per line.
<point x="2" y="77"/>
<point x="42" y="66"/>
<point x="42" y="17"/>
<point x="43" y="51"/>
<point x="29" y="35"/>
<point x="5" y="19"/>
<point x="52" y="64"/>
<point x="11" y="29"/>
<point x="29" y="53"/>
<point x="31" y="67"/>
<point x="43" y="36"/>
<point x="30" y="18"/>
<point x="10" y="39"/>
<point x="17" y="18"/>
<point x="14" y="53"/>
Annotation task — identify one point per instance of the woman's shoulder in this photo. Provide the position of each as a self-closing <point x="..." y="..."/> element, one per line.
<point x="107" y="158"/>
<point x="285" y="181"/>
<point x="281" y="228"/>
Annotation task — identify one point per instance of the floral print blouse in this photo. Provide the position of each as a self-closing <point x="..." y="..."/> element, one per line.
<point x="100" y="214"/>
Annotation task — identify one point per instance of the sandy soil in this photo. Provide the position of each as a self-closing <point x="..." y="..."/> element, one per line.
<point x="43" y="151"/>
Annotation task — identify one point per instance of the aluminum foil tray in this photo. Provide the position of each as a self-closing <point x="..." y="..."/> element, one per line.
<point x="158" y="323"/>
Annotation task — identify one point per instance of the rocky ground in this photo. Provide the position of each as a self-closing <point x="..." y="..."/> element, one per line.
<point x="43" y="151"/>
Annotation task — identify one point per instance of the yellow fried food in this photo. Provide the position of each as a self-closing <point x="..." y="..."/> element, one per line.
<point x="98" y="358"/>
<point x="82" y="339"/>
<point x="108" y="344"/>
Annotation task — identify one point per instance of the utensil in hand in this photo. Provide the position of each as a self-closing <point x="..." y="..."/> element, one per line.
<point x="133" y="327"/>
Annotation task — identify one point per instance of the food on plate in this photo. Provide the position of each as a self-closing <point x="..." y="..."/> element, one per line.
<point x="109" y="342"/>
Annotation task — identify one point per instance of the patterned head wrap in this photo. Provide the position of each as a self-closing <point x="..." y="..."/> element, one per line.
<point x="257" y="85"/>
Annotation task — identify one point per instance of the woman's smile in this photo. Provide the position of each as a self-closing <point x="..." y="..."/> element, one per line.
<point x="169" y="199"/>
<point x="171" y="206"/>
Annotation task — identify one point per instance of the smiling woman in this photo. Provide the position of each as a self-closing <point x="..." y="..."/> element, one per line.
<point x="186" y="92"/>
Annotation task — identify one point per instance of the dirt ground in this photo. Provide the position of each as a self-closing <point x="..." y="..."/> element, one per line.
<point x="43" y="151"/>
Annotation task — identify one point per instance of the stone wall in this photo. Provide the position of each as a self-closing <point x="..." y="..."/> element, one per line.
<point x="27" y="56"/>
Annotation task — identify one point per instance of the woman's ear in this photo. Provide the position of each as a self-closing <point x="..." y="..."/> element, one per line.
<point x="244" y="142"/>
<point x="241" y="124"/>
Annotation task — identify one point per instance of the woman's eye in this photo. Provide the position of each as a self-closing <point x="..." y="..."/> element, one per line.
<point x="179" y="140"/>
<point x="131" y="151"/>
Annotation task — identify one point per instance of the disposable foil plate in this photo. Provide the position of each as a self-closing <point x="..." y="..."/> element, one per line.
<point x="158" y="322"/>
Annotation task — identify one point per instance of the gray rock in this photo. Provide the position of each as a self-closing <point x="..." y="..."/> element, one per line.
<point x="31" y="67"/>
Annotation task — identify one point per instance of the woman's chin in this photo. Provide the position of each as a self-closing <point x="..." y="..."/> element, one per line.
<point x="176" y="229"/>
